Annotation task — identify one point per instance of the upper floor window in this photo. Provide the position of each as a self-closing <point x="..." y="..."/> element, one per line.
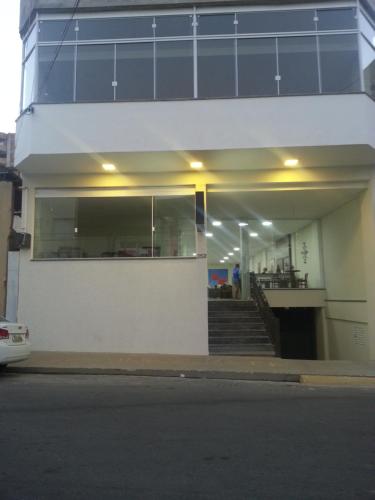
<point x="189" y="56"/>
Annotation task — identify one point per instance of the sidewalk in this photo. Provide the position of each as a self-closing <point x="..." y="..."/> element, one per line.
<point x="218" y="367"/>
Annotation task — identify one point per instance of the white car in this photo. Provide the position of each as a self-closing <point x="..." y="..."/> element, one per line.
<point x="14" y="342"/>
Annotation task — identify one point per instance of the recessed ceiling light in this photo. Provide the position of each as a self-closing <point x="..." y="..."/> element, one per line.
<point x="253" y="235"/>
<point x="230" y="254"/>
<point x="226" y="258"/>
<point x="216" y="223"/>
<point x="291" y="162"/>
<point x="196" y="164"/>
<point x="243" y="224"/>
<point x="209" y="235"/>
<point x="266" y="223"/>
<point x="222" y="261"/>
<point x="194" y="254"/>
<point x="236" y="249"/>
<point x="109" y="167"/>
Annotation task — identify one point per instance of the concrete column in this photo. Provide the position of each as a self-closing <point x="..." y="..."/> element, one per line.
<point x="368" y="237"/>
<point x="245" y="262"/>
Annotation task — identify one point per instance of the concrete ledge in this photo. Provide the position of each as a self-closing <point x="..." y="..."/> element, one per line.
<point x="337" y="380"/>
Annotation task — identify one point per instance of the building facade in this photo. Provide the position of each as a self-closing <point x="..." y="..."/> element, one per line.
<point x="162" y="142"/>
<point x="7" y="179"/>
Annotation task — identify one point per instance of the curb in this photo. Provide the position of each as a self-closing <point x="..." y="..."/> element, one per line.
<point x="354" y="381"/>
<point x="193" y="374"/>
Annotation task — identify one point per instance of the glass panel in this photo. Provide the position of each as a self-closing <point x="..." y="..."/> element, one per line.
<point x="112" y="28"/>
<point x="367" y="29"/>
<point x="368" y="62"/>
<point x="337" y="19"/>
<point x="175" y="70"/>
<point x="56" y="84"/>
<point x="93" y="227"/>
<point x="30" y="42"/>
<point x="298" y="65"/>
<point x="95" y="72"/>
<point x="53" y="31"/>
<point x="216" y="24"/>
<point x="135" y="71"/>
<point x="276" y="22"/>
<point x="339" y="63"/>
<point x="257" y="67"/>
<point x="28" y="81"/>
<point x="174" y="226"/>
<point x="174" y="26"/>
<point x="216" y="68"/>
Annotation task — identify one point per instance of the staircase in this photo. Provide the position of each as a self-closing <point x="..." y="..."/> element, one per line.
<point x="236" y="328"/>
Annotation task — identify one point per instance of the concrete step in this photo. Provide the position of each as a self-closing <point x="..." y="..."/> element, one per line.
<point x="233" y="315"/>
<point x="233" y="332"/>
<point x="234" y="340"/>
<point x="235" y="325"/>
<point x="231" y="306"/>
<point x="243" y="349"/>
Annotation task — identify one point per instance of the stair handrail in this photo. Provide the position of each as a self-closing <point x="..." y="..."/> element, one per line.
<point x="271" y="322"/>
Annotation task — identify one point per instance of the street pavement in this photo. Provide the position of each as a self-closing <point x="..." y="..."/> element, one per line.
<point x="120" y="437"/>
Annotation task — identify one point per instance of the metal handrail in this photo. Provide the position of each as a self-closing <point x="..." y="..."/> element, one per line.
<point x="272" y="323"/>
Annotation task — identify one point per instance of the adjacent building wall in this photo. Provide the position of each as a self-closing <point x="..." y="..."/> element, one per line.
<point x="5" y="224"/>
<point x="345" y="277"/>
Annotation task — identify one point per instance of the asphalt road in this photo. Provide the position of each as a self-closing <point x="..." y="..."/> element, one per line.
<point x="115" y="437"/>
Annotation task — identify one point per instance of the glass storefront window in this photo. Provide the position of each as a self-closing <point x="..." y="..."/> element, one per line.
<point x="56" y="75"/>
<point x="257" y="67"/>
<point x="95" y="73"/>
<point x="29" y="80"/>
<point x="368" y="67"/>
<point x="174" y="70"/>
<point x="339" y="60"/>
<point x="91" y="227"/>
<point x="135" y="71"/>
<point x="173" y="26"/>
<point x="216" y="68"/>
<point x="56" y="31"/>
<point x="283" y="21"/>
<point x="174" y="226"/>
<point x="298" y="65"/>
<point x="337" y="19"/>
<point x="213" y="24"/>
<point x="115" y="28"/>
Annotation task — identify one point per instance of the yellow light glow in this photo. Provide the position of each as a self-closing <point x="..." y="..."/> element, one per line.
<point x="196" y="164"/>
<point x="109" y="167"/>
<point x="291" y="162"/>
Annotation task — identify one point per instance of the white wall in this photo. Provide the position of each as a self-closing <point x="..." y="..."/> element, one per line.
<point x="312" y="265"/>
<point x="202" y="125"/>
<point x="129" y="306"/>
<point x="346" y="311"/>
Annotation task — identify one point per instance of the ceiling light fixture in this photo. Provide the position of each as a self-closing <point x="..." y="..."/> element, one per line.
<point x="109" y="167"/>
<point x="236" y="249"/>
<point x="266" y="223"/>
<point x="216" y="223"/>
<point x="222" y="261"/>
<point x="243" y="224"/>
<point x="209" y="235"/>
<point x="226" y="258"/>
<point x="230" y="254"/>
<point x="196" y="164"/>
<point x="254" y="235"/>
<point x="291" y="162"/>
